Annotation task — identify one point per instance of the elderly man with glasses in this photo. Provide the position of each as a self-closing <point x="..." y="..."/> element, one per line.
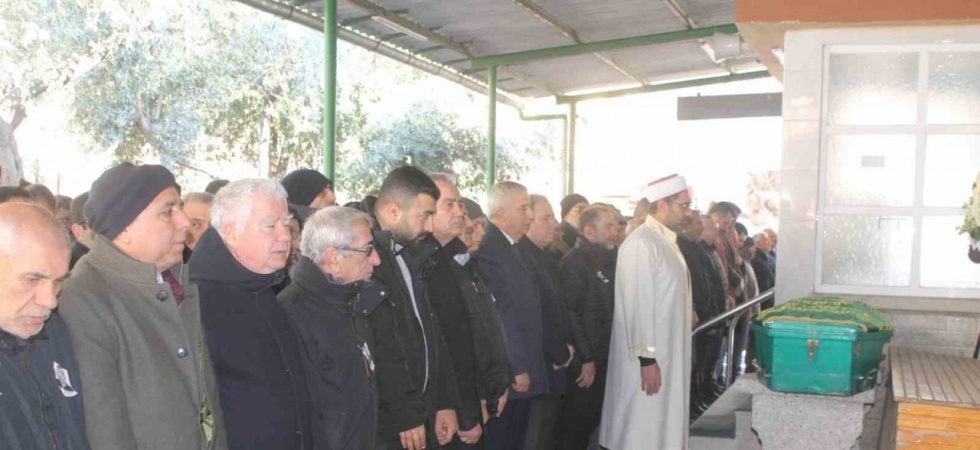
<point x="329" y="300"/>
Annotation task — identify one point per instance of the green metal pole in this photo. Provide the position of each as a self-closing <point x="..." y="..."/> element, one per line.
<point x="492" y="129"/>
<point x="329" y="87"/>
<point x="572" y="119"/>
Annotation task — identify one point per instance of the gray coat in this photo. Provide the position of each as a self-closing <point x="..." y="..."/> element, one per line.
<point x="139" y="354"/>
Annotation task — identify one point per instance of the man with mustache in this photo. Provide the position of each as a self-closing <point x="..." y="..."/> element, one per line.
<point x="39" y="375"/>
<point x="135" y="320"/>
<point x="256" y="351"/>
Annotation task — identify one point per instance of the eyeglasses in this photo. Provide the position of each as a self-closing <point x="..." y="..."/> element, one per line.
<point x="367" y="249"/>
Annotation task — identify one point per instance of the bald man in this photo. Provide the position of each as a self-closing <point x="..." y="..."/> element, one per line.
<point x="41" y="403"/>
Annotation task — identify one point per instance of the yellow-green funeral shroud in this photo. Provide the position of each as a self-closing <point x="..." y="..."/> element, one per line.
<point x="829" y="346"/>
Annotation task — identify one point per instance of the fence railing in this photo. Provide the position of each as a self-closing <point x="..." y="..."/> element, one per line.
<point x="735" y="314"/>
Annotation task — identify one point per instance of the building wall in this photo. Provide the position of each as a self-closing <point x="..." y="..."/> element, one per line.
<point x="942" y="324"/>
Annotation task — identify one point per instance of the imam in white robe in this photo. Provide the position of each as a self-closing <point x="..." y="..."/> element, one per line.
<point x="652" y="319"/>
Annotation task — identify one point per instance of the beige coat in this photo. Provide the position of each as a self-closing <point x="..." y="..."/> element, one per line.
<point x="138" y="354"/>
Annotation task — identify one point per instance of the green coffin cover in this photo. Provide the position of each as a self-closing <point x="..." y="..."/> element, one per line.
<point x="826" y="346"/>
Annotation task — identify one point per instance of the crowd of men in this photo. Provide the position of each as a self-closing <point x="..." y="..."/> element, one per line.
<point x="260" y="315"/>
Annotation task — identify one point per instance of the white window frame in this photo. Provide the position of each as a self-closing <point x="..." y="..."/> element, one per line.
<point x="921" y="130"/>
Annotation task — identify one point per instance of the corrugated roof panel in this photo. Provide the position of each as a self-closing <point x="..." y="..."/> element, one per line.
<point x="612" y="19"/>
<point x="485" y="26"/>
<point x="656" y="61"/>
<point x="493" y="27"/>
<point x="574" y="73"/>
<point x="708" y="12"/>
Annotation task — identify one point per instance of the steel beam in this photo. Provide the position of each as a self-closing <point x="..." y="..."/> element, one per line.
<point x="329" y="87"/>
<point x="600" y="46"/>
<point x="492" y="129"/>
<point x="572" y="99"/>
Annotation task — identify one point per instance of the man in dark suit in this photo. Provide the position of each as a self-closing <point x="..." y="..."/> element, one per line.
<point x="535" y="247"/>
<point x="518" y="301"/>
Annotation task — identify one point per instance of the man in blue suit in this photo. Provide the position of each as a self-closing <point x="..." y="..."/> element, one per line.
<point x="518" y="301"/>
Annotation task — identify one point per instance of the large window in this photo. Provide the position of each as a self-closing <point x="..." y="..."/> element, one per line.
<point x="900" y="149"/>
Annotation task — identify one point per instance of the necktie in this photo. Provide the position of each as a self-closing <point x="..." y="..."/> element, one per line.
<point x="174" y="286"/>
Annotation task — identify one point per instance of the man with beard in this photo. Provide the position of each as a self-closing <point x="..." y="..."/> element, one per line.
<point x="257" y="355"/>
<point x="648" y="387"/>
<point x="589" y="287"/>
<point x="416" y="385"/>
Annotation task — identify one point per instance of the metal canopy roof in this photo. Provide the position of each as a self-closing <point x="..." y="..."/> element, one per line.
<point x="542" y="48"/>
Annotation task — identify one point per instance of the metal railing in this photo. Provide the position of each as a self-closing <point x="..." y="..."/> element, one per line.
<point x="736" y="314"/>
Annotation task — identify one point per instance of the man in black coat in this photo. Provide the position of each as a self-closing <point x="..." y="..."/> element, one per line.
<point x="41" y="407"/>
<point x="330" y="296"/>
<point x="451" y="312"/>
<point x="416" y="384"/>
<point x="709" y="295"/>
<point x="255" y="349"/>
<point x="493" y="362"/>
<point x="589" y="287"/>
<point x="518" y="301"/>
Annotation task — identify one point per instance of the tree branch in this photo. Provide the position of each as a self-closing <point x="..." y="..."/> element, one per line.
<point x="20" y="113"/>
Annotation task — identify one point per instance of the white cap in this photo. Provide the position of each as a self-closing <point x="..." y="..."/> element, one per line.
<point x="664" y="187"/>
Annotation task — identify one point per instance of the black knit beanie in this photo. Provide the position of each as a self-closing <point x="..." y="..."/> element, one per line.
<point x="120" y="194"/>
<point x="304" y="185"/>
<point x="569" y="202"/>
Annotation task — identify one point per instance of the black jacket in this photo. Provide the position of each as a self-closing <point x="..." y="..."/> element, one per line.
<point x="518" y="302"/>
<point x="707" y="285"/>
<point x="450" y="309"/>
<point x="255" y="350"/>
<point x="407" y="347"/>
<point x="493" y="363"/>
<point x="555" y="336"/>
<point x="589" y="299"/>
<point x="41" y="402"/>
<point x="764" y="274"/>
<point x="337" y="348"/>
